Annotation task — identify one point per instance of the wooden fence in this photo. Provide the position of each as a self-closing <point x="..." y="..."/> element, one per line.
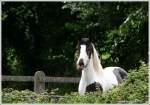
<point x="39" y="80"/>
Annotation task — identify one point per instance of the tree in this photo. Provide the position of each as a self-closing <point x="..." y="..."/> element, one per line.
<point x="110" y="24"/>
<point x="34" y="36"/>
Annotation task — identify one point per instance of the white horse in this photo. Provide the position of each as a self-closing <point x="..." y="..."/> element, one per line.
<point x="92" y="71"/>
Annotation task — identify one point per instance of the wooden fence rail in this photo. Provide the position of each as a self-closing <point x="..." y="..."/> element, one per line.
<point x="18" y="78"/>
<point x="40" y="79"/>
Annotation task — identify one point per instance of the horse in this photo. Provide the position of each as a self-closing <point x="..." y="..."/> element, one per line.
<point x="89" y="64"/>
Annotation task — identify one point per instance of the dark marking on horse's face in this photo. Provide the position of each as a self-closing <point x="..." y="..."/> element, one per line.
<point x="84" y="50"/>
<point x="89" y="47"/>
<point x="89" y="50"/>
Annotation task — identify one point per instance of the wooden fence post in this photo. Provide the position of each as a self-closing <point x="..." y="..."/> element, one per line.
<point x="39" y="82"/>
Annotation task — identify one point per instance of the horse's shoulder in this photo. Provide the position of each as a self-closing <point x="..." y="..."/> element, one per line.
<point x="109" y="75"/>
<point x="110" y="68"/>
<point x="108" y="71"/>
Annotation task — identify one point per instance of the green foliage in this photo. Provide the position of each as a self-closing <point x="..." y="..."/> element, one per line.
<point x="25" y="96"/>
<point x="43" y="36"/>
<point x="117" y="38"/>
<point x="39" y="31"/>
<point x="36" y="32"/>
<point x="123" y="42"/>
<point x="62" y="88"/>
<point x="133" y="90"/>
<point x="13" y="62"/>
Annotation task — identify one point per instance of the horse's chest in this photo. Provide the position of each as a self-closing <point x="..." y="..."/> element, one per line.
<point x="90" y="79"/>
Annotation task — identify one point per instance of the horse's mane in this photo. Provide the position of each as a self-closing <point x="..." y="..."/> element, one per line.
<point x="96" y="61"/>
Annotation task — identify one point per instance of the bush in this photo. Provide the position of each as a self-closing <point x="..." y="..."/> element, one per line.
<point x="133" y="90"/>
<point x="25" y="96"/>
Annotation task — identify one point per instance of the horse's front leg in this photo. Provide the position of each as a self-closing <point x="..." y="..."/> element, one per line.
<point x="82" y="87"/>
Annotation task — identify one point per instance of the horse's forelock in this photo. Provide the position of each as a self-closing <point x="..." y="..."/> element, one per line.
<point x="85" y="41"/>
<point x="89" y="50"/>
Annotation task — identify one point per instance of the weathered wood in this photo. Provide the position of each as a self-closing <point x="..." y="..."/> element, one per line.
<point x="39" y="82"/>
<point x="18" y="78"/>
<point x="47" y="79"/>
<point x="62" y="79"/>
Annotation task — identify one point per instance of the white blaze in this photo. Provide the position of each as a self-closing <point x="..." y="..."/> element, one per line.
<point x="83" y="55"/>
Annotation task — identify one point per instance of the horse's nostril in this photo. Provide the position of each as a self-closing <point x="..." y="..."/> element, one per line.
<point x="81" y="62"/>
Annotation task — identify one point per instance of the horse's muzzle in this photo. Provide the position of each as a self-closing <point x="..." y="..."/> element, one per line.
<point x="80" y="67"/>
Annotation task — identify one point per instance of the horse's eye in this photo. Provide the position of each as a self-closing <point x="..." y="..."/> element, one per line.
<point x="88" y="48"/>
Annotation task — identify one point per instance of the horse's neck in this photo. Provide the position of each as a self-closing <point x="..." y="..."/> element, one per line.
<point x="96" y="65"/>
<point x="90" y="75"/>
<point x="96" y="62"/>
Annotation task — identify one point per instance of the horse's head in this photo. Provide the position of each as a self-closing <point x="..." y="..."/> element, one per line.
<point x="85" y="49"/>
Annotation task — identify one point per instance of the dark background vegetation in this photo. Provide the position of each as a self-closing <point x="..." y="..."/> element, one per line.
<point x="43" y="36"/>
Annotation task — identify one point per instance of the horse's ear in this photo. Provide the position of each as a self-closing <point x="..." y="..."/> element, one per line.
<point x="77" y="46"/>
